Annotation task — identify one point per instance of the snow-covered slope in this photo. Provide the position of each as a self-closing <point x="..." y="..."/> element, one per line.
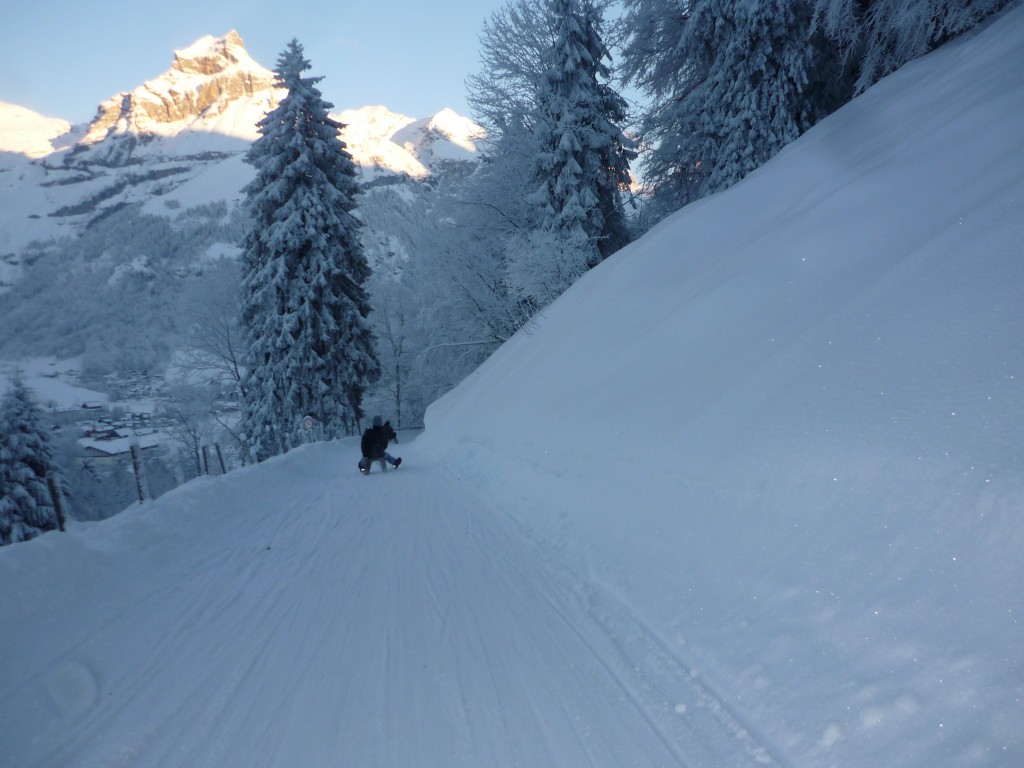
<point x="380" y="138"/>
<point x="786" y="425"/>
<point x="25" y="132"/>
<point x="749" y="494"/>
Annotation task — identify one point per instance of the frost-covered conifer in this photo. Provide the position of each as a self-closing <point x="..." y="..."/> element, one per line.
<point x="658" y="66"/>
<point x="26" y="463"/>
<point x="882" y="35"/>
<point x="513" y="44"/>
<point x="583" y="163"/>
<point x="731" y="82"/>
<point x="309" y="349"/>
<point x="752" y="102"/>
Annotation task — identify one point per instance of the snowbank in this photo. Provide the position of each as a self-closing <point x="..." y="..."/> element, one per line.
<point x="785" y="425"/>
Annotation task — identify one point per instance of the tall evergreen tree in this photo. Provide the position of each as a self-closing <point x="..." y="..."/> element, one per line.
<point x="752" y="102"/>
<point x="654" y="61"/>
<point x="583" y="163"/>
<point x="615" y="151"/>
<point x="27" y="468"/>
<point x="515" y="44"/>
<point x="309" y="349"/>
<point x="731" y="81"/>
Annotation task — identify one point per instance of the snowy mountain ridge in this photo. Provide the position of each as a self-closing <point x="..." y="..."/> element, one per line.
<point x="175" y="142"/>
<point x="378" y="137"/>
<point x="25" y="132"/>
<point x="212" y="86"/>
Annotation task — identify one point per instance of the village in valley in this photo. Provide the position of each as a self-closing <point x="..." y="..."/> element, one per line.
<point x="103" y="426"/>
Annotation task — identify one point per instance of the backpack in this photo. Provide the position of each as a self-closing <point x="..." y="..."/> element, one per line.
<point x="374" y="443"/>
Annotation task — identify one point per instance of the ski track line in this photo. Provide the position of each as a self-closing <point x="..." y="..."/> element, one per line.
<point x="734" y="724"/>
<point x="219" y="601"/>
<point x="504" y="640"/>
<point x="540" y="587"/>
<point x="687" y="670"/>
<point x="624" y="673"/>
<point x="253" y="636"/>
<point x="454" y="638"/>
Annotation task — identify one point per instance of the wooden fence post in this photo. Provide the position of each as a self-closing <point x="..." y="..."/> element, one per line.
<point x="140" y="472"/>
<point x="58" y="501"/>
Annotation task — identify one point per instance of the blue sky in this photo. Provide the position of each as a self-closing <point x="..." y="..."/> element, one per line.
<point x="63" y="58"/>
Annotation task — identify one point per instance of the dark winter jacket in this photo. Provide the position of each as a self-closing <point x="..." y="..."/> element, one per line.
<point x="374" y="443"/>
<point x="389" y="431"/>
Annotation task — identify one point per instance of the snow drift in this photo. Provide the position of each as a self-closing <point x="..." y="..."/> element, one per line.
<point x="786" y="423"/>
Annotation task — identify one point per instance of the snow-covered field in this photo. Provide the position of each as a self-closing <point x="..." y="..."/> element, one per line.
<point x="749" y="494"/>
<point x="51" y="382"/>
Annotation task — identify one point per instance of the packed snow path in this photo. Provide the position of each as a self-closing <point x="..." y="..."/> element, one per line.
<point x="297" y="613"/>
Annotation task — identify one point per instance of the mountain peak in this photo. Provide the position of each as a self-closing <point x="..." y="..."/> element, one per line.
<point x="213" y="85"/>
<point x="211" y="55"/>
<point x="27" y="132"/>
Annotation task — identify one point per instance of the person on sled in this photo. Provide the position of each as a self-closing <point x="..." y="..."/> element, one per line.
<point x="375" y="447"/>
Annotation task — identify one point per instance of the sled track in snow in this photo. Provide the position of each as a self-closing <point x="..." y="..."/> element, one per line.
<point x="691" y="715"/>
<point x="401" y="622"/>
<point x="666" y="666"/>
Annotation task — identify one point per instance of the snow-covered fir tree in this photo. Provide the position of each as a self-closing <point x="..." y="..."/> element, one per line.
<point x="583" y="163"/>
<point x="653" y="61"/>
<point x="615" y="151"/>
<point x="501" y="244"/>
<point x="27" y="470"/>
<point x="730" y="81"/>
<point x="752" y="103"/>
<point x="882" y="35"/>
<point x="309" y="350"/>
